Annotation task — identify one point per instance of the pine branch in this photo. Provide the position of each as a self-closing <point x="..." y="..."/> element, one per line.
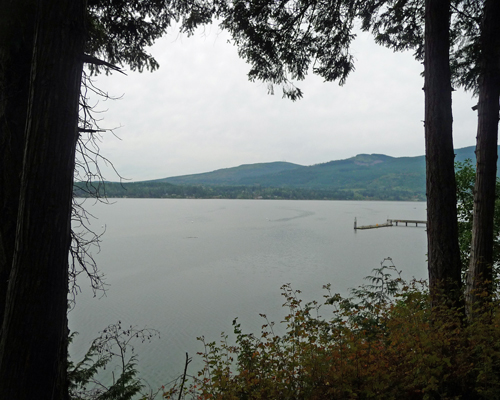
<point x="88" y="59"/>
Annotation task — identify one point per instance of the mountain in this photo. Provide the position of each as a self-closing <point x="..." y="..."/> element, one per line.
<point x="365" y="176"/>
<point x="364" y="171"/>
<point x="232" y="176"/>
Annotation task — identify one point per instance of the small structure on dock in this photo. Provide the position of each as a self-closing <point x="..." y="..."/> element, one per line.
<point x="390" y="222"/>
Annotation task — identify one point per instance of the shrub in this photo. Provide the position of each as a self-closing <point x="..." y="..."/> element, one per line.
<point x="382" y="342"/>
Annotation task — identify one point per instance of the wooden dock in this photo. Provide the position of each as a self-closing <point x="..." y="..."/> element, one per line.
<point x="407" y="221"/>
<point x="390" y="222"/>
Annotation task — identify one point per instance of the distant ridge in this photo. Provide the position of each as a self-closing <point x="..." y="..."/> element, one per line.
<point x="364" y="171"/>
<point x="363" y="177"/>
<point x="232" y="176"/>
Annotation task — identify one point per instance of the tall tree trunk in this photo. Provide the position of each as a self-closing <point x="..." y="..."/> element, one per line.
<point x="17" y="25"/>
<point x="33" y="343"/>
<point x="442" y="227"/>
<point x="480" y="271"/>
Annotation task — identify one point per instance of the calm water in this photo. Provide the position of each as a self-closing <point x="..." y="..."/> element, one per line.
<point x="189" y="267"/>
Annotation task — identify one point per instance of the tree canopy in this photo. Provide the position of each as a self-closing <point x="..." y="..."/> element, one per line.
<point x="284" y="41"/>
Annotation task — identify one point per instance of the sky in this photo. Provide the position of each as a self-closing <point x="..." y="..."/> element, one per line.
<point x="198" y="112"/>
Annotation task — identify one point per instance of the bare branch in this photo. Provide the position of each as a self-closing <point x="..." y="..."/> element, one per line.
<point x="89" y="183"/>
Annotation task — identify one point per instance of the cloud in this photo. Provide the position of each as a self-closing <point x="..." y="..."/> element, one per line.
<point x="199" y="112"/>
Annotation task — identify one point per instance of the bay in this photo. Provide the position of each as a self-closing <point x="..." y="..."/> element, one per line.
<point x="189" y="267"/>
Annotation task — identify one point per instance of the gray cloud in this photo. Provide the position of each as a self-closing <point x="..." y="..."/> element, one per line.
<point x="198" y="112"/>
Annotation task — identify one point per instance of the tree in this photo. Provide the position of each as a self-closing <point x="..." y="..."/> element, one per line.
<point x="474" y="34"/>
<point x="42" y="49"/>
<point x="481" y="261"/>
<point x="442" y="228"/>
<point x="33" y="343"/>
<point x="118" y="33"/>
<point x="16" y="49"/>
<point x="282" y="40"/>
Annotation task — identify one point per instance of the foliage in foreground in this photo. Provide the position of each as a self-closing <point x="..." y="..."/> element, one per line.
<point x="114" y="350"/>
<point x="466" y="176"/>
<point x="381" y="342"/>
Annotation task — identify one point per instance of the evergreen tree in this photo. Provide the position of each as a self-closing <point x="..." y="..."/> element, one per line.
<point x="474" y="55"/>
<point x="43" y="45"/>
<point x="442" y="228"/>
<point x="33" y="342"/>
<point x="481" y="261"/>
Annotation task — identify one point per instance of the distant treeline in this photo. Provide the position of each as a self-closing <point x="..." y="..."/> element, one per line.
<point x="166" y="190"/>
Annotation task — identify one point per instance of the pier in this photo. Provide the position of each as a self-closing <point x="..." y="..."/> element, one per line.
<point x="407" y="221"/>
<point x="390" y="222"/>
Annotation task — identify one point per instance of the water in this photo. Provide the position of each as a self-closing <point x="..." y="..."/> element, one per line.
<point x="189" y="267"/>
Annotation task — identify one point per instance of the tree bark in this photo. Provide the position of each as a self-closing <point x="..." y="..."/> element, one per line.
<point x="17" y="25"/>
<point x="33" y="342"/>
<point x="442" y="228"/>
<point x="480" y="273"/>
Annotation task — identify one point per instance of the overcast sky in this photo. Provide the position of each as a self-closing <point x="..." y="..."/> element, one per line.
<point x="199" y="112"/>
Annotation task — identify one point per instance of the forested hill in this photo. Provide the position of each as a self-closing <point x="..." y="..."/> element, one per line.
<point x="365" y="176"/>
<point x="361" y="171"/>
<point x="233" y="176"/>
<point x="374" y="171"/>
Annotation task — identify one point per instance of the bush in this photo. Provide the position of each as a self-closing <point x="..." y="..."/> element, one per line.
<point x="383" y="342"/>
